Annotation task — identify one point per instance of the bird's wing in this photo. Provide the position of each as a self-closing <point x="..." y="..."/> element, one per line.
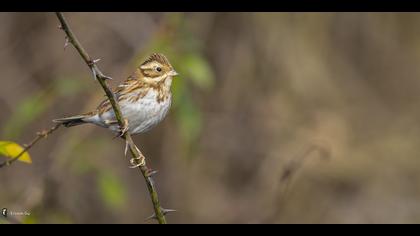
<point x="131" y="87"/>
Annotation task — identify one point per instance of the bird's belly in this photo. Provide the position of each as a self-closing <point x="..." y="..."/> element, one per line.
<point x="145" y="113"/>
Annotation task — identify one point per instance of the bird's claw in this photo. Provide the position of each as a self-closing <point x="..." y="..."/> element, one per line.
<point x="137" y="161"/>
<point x="122" y="130"/>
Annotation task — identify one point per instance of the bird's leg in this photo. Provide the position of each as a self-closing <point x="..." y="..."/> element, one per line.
<point x="135" y="161"/>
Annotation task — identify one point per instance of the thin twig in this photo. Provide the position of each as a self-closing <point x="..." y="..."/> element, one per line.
<point x="136" y="153"/>
<point x="290" y="170"/>
<point x="12" y="220"/>
<point x="39" y="136"/>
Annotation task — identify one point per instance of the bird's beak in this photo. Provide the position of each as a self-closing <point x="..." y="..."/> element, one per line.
<point x="173" y="73"/>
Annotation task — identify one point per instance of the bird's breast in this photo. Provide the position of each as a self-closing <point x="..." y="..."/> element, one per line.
<point x="146" y="112"/>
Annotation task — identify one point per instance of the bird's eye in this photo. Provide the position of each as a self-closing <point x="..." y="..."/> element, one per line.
<point x="158" y="69"/>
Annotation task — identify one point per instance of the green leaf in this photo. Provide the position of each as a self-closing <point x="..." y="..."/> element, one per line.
<point x="188" y="116"/>
<point x="198" y="70"/>
<point x="11" y="150"/>
<point x="26" y="111"/>
<point x="34" y="105"/>
<point x="31" y="219"/>
<point x="189" y="119"/>
<point x="70" y="86"/>
<point x="111" y="190"/>
<point x="179" y="89"/>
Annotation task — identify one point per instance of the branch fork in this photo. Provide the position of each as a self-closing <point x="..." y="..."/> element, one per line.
<point x="39" y="135"/>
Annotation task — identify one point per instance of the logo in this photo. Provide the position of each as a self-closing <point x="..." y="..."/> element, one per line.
<point x="4" y="212"/>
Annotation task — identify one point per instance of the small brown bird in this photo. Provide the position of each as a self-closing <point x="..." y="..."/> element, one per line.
<point x="145" y="98"/>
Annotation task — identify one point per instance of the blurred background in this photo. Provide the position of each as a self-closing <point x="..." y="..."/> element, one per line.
<point x="277" y="118"/>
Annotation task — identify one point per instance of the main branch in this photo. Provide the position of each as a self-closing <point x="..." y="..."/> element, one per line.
<point x="138" y="157"/>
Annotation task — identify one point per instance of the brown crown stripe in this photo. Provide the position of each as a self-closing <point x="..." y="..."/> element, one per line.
<point x="157" y="57"/>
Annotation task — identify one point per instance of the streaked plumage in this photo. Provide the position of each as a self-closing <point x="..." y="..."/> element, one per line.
<point x="144" y="98"/>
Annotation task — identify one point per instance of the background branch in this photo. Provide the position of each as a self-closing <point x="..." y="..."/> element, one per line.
<point x="40" y="135"/>
<point x="159" y="214"/>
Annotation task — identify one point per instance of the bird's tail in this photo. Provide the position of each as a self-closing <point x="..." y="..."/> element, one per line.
<point x="72" y="120"/>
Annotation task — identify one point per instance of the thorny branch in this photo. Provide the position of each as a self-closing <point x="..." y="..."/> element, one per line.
<point x="138" y="157"/>
<point x="39" y="136"/>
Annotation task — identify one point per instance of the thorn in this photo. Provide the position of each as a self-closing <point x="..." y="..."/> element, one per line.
<point x="93" y="72"/>
<point x="107" y="77"/>
<point x="164" y="211"/>
<point x="43" y="133"/>
<point x="91" y="64"/>
<point x="66" y="43"/>
<point x="151" y="217"/>
<point x="150" y="173"/>
<point x="126" y="148"/>
<point x="60" y="27"/>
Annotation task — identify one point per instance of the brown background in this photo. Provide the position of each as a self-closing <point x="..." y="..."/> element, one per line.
<point x="277" y="118"/>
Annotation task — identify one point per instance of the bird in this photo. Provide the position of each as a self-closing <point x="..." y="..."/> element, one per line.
<point x="144" y="97"/>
